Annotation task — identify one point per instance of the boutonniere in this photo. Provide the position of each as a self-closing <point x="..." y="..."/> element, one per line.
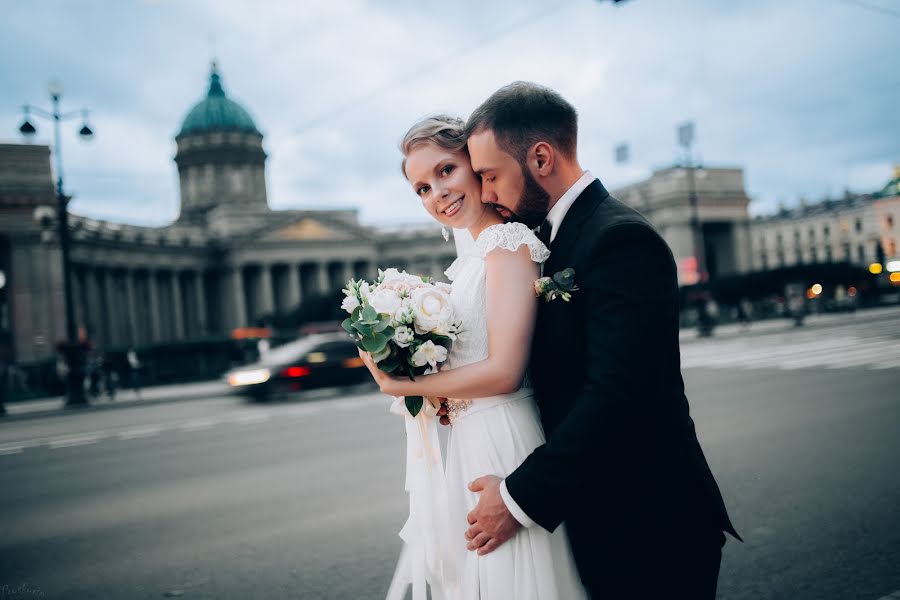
<point x="561" y="285"/>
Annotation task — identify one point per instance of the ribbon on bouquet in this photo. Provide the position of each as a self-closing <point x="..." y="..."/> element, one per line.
<point x="425" y="557"/>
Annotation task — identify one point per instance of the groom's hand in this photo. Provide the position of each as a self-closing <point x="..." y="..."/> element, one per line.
<point x="490" y="522"/>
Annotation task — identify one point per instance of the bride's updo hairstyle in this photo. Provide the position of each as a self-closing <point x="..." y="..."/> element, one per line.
<point x="443" y="131"/>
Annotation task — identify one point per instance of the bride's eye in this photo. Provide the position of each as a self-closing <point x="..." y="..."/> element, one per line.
<point x="422" y="190"/>
<point x="447" y="170"/>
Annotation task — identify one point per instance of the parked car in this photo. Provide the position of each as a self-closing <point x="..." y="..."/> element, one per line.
<point x="314" y="361"/>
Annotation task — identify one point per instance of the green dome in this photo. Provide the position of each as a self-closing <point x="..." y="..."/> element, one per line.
<point x="216" y="112"/>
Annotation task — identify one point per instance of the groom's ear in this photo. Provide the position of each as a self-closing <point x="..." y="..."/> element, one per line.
<point x="541" y="159"/>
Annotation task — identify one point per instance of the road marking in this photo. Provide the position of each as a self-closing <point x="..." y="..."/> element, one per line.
<point x="13" y="449"/>
<point x="199" y="424"/>
<point x="252" y="418"/>
<point x="304" y="410"/>
<point x="77" y="440"/>
<point x="139" y="432"/>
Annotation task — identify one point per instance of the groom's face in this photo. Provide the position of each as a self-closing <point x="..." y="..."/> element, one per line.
<point x="505" y="184"/>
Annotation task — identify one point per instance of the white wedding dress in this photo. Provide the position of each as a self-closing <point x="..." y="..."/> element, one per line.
<point x="488" y="436"/>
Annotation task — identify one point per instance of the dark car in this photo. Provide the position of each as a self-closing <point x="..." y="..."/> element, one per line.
<point x="314" y="361"/>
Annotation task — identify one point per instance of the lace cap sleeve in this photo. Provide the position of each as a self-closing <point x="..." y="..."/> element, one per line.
<point x="509" y="236"/>
<point x="453" y="270"/>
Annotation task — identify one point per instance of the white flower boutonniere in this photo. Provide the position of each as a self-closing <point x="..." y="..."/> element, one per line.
<point x="561" y="285"/>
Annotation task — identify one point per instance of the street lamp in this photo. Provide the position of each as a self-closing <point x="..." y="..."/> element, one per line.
<point x="73" y="349"/>
<point x="686" y="140"/>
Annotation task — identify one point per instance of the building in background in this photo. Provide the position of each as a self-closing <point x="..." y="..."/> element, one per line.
<point x="228" y="261"/>
<point x="722" y="210"/>
<point x="858" y="229"/>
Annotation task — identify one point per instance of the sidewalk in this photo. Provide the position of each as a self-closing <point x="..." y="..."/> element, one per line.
<point x="782" y="325"/>
<point x="124" y="398"/>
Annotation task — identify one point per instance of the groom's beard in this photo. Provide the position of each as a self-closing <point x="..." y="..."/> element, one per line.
<point x="534" y="203"/>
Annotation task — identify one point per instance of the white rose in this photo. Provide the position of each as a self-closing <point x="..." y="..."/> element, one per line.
<point x="444" y="287"/>
<point x="432" y="309"/>
<point x="385" y="301"/>
<point x="429" y="354"/>
<point x="364" y="290"/>
<point x="403" y="336"/>
<point x="350" y="304"/>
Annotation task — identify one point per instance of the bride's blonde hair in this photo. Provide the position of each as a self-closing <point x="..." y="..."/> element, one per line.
<point x="443" y="131"/>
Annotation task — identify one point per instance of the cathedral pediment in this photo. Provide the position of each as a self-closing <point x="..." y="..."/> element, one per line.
<point x="307" y="229"/>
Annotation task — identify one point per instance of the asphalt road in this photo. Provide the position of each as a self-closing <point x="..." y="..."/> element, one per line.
<point x="217" y="499"/>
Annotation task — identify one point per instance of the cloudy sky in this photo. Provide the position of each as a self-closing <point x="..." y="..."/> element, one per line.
<point x="803" y="95"/>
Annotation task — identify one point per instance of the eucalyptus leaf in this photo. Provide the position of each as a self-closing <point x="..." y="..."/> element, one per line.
<point x="370" y="314"/>
<point x="375" y="343"/>
<point x="381" y="355"/>
<point x="347" y="324"/>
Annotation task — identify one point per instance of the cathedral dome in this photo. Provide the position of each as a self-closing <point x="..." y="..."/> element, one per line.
<point x="216" y="112"/>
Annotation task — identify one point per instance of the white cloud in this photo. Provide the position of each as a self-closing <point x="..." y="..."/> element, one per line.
<point x="802" y="95"/>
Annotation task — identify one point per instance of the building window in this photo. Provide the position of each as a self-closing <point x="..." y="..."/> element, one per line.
<point x="797" y="236"/>
<point x="858" y="225"/>
<point x="799" y="258"/>
<point x="828" y="254"/>
<point x="813" y="255"/>
<point x="826" y="231"/>
<point x="765" y="262"/>
<point x="889" y="219"/>
<point x="778" y="241"/>
<point x="846" y="256"/>
<point x="861" y="251"/>
<point x="812" y="234"/>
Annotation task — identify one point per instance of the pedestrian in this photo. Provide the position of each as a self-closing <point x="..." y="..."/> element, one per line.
<point x="744" y="312"/>
<point x="134" y="371"/>
<point x="110" y="377"/>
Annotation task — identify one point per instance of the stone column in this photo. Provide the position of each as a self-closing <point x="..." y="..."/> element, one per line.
<point x="322" y="282"/>
<point x="293" y="296"/>
<point x="348" y="273"/>
<point x="112" y="310"/>
<point x="265" y="293"/>
<point x="92" y="309"/>
<point x="177" y="306"/>
<point x="134" y="335"/>
<point x="237" y="313"/>
<point x="155" y="314"/>
<point x="200" y="300"/>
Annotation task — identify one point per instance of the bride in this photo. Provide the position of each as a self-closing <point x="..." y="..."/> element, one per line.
<point x="494" y="420"/>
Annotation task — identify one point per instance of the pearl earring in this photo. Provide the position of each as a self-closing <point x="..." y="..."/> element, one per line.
<point x="445" y="234"/>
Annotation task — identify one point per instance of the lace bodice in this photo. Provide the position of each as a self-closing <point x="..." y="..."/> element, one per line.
<point x="467" y="275"/>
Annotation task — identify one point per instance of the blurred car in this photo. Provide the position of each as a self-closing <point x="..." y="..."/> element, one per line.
<point x="314" y="361"/>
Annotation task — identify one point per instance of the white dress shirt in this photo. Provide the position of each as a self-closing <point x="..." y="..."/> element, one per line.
<point x="555" y="217"/>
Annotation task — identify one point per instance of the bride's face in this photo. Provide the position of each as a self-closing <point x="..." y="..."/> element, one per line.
<point x="444" y="181"/>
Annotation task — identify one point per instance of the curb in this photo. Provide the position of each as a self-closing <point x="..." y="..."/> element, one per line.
<point x="101" y="405"/>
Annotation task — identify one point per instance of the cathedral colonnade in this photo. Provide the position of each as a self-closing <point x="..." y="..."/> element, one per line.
<point x="118" y="306"/>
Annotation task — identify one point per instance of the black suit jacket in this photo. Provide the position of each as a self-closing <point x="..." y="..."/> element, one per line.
<point x="622" y="465"/>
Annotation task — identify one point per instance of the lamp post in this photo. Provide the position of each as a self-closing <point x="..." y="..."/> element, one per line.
<point x="73" y="349"/>
<point x="686" y="140"/>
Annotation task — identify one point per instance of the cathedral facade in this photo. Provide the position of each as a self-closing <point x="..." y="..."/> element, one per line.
<point x="228" y="261"/>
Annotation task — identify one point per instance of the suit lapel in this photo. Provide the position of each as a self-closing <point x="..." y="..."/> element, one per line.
<point x="583" y="207"/>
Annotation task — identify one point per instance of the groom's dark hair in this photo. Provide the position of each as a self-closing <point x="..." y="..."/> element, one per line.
<point x="522" y="114"/>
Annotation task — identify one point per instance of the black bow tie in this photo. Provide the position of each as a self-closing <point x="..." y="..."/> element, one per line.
<point x="543" y="232"/>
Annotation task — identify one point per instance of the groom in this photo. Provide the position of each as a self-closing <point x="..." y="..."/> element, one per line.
<point x="622" y="466"/>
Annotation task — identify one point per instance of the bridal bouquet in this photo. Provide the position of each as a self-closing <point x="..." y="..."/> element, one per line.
<point x="406" y="322"/>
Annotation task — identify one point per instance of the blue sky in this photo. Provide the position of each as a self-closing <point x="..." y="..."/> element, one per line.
<point x="803" y="95"/>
